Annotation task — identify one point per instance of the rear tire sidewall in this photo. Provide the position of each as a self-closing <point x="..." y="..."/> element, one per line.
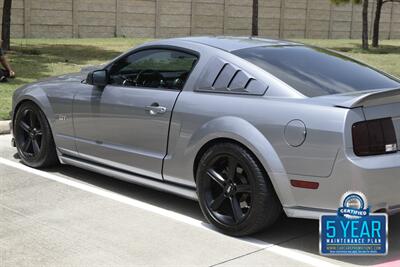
<point x="42" y="159"/>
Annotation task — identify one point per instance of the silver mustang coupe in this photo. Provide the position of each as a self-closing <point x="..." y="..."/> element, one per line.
<point x="251" y="128"/>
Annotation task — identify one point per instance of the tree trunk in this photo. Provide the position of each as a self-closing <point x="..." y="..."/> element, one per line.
<point x="6" y="27"/>
<point x="254" y="24"/>
<point x="365" y="25"/>
<point x="375" y="36"/>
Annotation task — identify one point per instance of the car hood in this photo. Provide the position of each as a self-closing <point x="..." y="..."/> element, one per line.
<point x="49" y="82"/>
<point x="72" y="77"/>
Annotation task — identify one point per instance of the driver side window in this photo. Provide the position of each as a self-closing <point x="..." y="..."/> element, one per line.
<point x="155" y="68"/>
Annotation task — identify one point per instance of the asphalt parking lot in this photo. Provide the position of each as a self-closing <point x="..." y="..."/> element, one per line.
<point x="68" y="216"/>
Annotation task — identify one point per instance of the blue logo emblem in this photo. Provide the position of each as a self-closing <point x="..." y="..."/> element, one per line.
<point x="354" y="206"/>
<point x="354" y="230"/>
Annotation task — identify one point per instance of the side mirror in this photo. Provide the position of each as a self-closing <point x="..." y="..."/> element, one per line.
<point x="97" y="78"/>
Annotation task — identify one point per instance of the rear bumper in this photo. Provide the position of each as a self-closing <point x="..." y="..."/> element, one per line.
<point x="393" y="209"/>
<point x="378" y="177"/>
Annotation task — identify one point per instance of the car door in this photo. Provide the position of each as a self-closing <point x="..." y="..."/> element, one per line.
<point x="125" y="124"/>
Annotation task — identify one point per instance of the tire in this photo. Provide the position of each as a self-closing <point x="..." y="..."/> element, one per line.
<point x="235" y="193"/>
<point x="33" y="137"/>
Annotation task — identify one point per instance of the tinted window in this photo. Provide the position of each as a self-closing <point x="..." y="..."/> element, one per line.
<point x="314" y="71"/>
<point x="153" y="68"/>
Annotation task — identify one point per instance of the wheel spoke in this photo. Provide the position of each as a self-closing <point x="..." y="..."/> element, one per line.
<point x="26" y="145"/>
<point x="237" y="211"/>
<point x="243" y="188"/>
<point x="32" y="119"/>
<point x="216" y="177"/>
<point x="240" y="177"/>
<point x="25" y="126"/>
<point x="232" y="164"/>
<point x="39" y="132"/>
<point x="36" y="148"/>
<point x="216" y="203"/>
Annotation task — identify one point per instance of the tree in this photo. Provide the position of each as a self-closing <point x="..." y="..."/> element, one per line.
<point x="364" y="18"/>
<point x="254" y="22"/>
<point x="365" y="25"/>
<point x="379" y="5"/>
<point x="375" y="34"/>
<point x="6" y="26"/>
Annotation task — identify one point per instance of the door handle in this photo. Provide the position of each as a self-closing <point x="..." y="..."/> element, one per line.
<point x="155" y="109"/>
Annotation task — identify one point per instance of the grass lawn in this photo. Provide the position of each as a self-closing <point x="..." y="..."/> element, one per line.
<point x="34" y="59"/>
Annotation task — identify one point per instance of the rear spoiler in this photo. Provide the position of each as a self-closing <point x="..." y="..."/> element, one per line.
<point x="368" y="99"/>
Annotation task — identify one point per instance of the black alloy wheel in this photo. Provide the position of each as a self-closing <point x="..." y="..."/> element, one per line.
<point x="228" y="192"/>
<point x="235" y="193"/>
<point x="33" y="137"/>
<point x="30" y="134"/>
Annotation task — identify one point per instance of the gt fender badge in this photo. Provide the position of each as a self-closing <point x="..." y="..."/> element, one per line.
<point x="61" y="117"/>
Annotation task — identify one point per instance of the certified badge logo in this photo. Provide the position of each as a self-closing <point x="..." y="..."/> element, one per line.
<point x="354" y="230"/>
<point x="354" y="206"/>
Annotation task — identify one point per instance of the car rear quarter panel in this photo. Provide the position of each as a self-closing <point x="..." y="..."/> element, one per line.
<point x="257" y="122"/>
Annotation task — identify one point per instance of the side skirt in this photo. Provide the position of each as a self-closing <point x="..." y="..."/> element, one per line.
<point x="186" y="192"/>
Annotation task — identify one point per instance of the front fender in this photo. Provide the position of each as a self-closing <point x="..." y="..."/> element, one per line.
<point x="37" y="95"/>
<point x="55" y="99"/>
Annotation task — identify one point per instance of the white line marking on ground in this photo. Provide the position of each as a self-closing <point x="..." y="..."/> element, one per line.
<point x="285" y="252"/>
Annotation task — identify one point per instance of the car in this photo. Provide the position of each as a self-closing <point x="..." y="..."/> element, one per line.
<point x="253" y="129"/>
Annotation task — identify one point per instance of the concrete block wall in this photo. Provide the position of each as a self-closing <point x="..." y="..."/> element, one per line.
<point x="167" y="18"/>
<point x="48" y="18"/>
<point x="208" y="17"/>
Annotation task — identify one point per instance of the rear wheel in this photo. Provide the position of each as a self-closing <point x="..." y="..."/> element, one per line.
<point x="235" y="194"/>
<point x="33" y="137"/>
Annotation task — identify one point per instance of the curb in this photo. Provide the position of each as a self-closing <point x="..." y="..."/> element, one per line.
<point x="5" y="127"/>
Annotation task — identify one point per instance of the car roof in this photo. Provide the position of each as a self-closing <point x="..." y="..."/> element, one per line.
<point x="232" y="43"/>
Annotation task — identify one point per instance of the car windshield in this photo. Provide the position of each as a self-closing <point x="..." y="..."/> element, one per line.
<point x="316" y="72"/>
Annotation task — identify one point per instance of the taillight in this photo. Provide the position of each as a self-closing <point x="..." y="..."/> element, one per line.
<point x="374" y="137"/>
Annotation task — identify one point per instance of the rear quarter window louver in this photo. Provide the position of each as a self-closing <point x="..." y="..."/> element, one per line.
<point x="223" y="77"/>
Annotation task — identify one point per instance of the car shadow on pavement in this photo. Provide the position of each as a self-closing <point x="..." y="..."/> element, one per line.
<point x="298" y="234"/>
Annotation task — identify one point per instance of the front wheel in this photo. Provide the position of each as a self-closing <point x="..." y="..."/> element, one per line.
<point x="33" y="137"/>
<point x="234" y="192"/>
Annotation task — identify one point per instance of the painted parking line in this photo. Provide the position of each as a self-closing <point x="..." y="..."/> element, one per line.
<point x="394" y="263"/>
<point x="285" y="252"/>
